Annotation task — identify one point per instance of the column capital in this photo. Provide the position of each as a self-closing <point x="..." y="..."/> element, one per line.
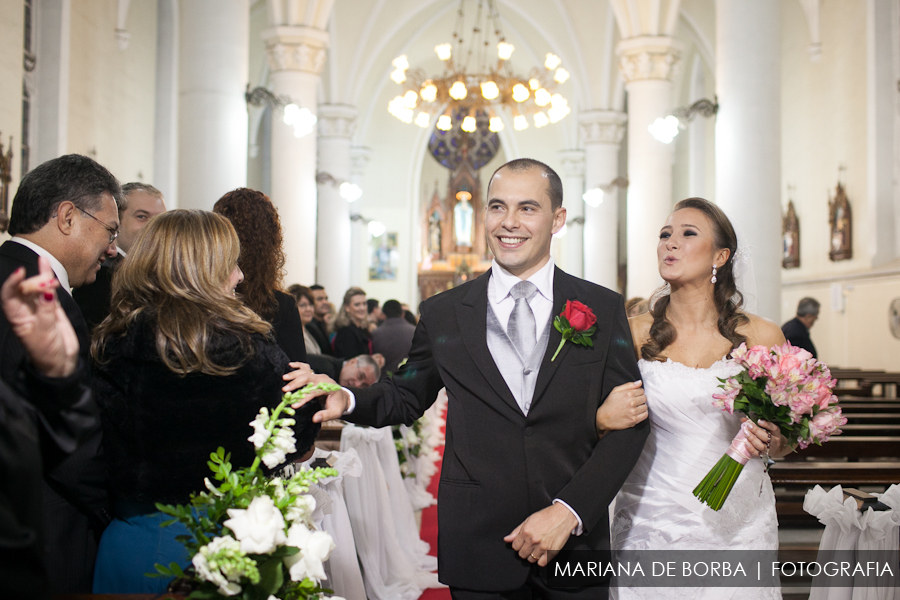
<point x="572" y="162"/>
<point x="296" y="48"/>
<point x="602" y="126"/>
<point x="648" y="57"/>
<point x="336" y="120"/>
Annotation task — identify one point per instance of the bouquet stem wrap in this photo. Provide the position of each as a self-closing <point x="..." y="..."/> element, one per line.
<point x="717" y="484"/>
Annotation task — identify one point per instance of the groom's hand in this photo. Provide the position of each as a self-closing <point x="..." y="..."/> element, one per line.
<point x="543" y="534"/>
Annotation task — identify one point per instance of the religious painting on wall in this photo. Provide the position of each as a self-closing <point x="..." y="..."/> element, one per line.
<point x="841" y="221"/>
<point x="384" y="258"/>
<point x="790" y="234"/>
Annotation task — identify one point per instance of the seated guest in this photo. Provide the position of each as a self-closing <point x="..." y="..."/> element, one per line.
<point x="306" y="306"/>
<point x="262" y="260"/>
<point x="376" y="316"/>
<point x="183" y="367"/>
<point x="319" y="327"/>
<point x="351" y="335"/>
<point x="359" y="372"/>
<point x="140" y="203"/>
<point x="394" y="338"/>
<point x="38" y="427"/>
<point x="796" y="331"/>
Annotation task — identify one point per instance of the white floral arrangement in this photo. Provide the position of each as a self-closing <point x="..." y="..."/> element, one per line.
<point x="252" y="536"/>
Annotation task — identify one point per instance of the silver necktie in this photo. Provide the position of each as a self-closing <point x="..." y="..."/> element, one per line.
<point x="521" y="328"/>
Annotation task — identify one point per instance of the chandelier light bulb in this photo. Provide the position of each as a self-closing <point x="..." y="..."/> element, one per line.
<point x="428" y="93"/>
<point x="561" y="75"/>
<point x="406" y="115"/>
<point x="664" y="129"/>
<point x="423" y="119"/>
<point x="557" y="113"/>
<point x="504" y="50"/>
<point x="401" y="63"/>
<point x="376" y="228"/>
<point x="520" y="93"/>
<point x="445" y="123"/>
<point x="469" y="125"/>
<point x="489" y="90"/>
<point x="593" y="197"/>
<point x="409" y="99"/>
<point x="458" y="90"/>
<point x="557" y="100"/>
<point x="398" y="76"/>
<point x="541" y="97"/>
<point x="541" y="119"/>
<point x="302" y="120"/>
<point x="350" y="191"/>
<point x="534" y="83"/>
<point x="552" y="61"/>
<point x="495" y="124"/>
<point x="520" y="122"/>
<point x="444" y="51"/>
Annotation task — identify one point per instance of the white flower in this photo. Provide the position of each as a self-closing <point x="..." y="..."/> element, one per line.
<point x="209" y="485"/>
<point x="260" y="433"/>
<point x="302" y="509"/>
<point x="214" y="576"/>
<point x="315" y="548"/>
<point x="282" y="444"/>
<point x="278" y="482"/>
<point x="260" y="527"/>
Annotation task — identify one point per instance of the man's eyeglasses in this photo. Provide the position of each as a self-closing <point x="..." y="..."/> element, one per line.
<point x="113" y="232"/>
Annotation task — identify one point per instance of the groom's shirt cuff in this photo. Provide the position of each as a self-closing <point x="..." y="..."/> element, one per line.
<point x="578" y="530"/>
<point x="352" y="406"/>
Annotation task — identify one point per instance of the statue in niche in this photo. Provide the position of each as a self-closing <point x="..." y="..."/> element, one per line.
<point x="434" y="233"/>
<point x="841" y="221"/>
<point x="463" y="219"/>
<point x="790" y="231"/>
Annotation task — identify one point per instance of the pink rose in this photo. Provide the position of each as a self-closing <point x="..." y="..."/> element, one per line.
<point x="739" y="354"/>
<point x="825" y="424"/>
<point x="758" y="361"/>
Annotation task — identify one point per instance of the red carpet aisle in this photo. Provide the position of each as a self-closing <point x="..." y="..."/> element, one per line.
<point x="429" y="530"/>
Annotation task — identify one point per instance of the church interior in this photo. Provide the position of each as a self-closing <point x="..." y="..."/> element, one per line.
<point x="785" y="113"/>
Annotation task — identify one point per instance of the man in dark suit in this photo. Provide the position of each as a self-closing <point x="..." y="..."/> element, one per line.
<point x="359" y="372"/>
<point x="317" y="326"/>
<point x="796" y="331"/>
<point x="140" y="203"/>
<point x="393" y="338"/>
<point x="65" y="211"/>
<point x="524" y="474"/>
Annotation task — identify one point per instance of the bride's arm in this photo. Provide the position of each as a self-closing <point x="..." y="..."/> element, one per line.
<point x="626" y="405"/>
<point x="763" y="332"/>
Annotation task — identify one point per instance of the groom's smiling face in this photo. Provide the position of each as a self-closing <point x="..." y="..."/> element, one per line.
<point x="520" y="220"/>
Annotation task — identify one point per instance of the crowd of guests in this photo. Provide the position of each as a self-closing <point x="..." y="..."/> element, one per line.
<point x="177" y="329"/>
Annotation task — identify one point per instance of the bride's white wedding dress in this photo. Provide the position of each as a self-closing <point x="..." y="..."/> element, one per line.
<point x="656" y="510"/>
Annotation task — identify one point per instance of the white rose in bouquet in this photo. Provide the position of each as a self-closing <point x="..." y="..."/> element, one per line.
<point x="315" y="548"/>
<point x="259" y="527"/>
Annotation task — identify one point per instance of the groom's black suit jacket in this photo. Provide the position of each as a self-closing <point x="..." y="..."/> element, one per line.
<point x="499" y="465"/>
<point x="75" y="498"/>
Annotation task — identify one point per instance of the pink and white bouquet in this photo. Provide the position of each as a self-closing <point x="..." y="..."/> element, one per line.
<point x="783" y="385"/>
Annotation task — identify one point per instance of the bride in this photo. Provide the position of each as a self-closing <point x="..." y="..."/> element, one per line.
<point x="683" y="345"/>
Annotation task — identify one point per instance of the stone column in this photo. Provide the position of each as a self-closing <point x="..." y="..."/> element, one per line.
<point x="359" y="233"/>
<point x="337" y="123"/>
<point x="212" y="113"/>
<point x="165" y="126"/>
<point x="572" y="163"/>
<point x="601" y="133"/>
<point x="296" y="55"/>
<point x="647" y="64"/>
<point x="748" y="135"/>
<point x="51" y="80"/>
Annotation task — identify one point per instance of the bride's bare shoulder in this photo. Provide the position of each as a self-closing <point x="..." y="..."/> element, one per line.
<point x="761" y="331"/>
<point x="640" y="329"/>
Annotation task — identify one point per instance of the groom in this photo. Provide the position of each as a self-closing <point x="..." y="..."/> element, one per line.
<point x="523" y="471"/>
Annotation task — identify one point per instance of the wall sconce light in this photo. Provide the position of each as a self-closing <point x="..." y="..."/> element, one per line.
<point x="349" y="191"/>
<point x="301" y="119"/>
<point x="594" y="196"/>
<point x="665" y="129"/>
<point x="376" y="228"/>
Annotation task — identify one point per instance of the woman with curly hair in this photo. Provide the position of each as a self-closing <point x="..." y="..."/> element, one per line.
<point x="182" y="367"/>
<point x="262" y="260"/>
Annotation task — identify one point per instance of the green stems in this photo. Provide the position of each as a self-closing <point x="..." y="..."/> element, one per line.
<point x="717" y="484"/>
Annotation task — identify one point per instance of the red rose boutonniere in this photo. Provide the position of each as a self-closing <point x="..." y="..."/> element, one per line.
<point x="575" y="323"/>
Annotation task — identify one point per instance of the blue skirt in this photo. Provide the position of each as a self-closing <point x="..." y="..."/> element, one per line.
<point x="130" y="547"/>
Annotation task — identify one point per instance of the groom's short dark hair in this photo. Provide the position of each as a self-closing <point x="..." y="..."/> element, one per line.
<point x="554" y="183"/>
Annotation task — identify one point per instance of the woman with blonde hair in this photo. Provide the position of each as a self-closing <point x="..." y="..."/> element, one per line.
<point x="183" y="366"/>
<point x="351" y="336"/>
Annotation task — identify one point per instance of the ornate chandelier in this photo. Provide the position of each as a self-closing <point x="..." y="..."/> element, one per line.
<point x="476" y="86"/>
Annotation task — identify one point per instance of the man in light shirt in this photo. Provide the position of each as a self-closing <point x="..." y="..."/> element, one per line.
<point x="65" y="210"/>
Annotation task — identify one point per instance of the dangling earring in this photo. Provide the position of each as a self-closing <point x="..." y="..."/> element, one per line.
<point x="713" y="280"/>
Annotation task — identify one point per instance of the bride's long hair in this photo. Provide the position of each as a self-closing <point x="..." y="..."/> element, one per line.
<point x="727" y="298"/>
